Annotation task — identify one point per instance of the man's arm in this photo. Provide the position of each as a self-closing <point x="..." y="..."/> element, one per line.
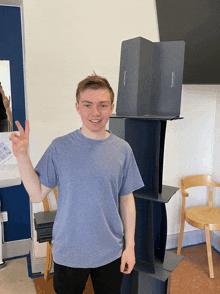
<point x="37" y="192"/>
<point x="128" y="216"/>
<point x="30" y="179"/>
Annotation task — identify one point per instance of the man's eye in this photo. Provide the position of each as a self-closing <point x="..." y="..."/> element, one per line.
<point x="103" y="106"/>
<point x="87" y="105"/>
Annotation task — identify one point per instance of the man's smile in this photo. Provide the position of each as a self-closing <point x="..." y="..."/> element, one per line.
<point x="95" y="120"/>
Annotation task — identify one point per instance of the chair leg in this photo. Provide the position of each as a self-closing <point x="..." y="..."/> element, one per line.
<point x="209" y="251"/>
<point x="181" y="234"/>
<point x="49" y="259"/>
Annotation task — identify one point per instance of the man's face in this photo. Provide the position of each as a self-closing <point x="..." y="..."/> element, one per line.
<point x="95" y="108"/>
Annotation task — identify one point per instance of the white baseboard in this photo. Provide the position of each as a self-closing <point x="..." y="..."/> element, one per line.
<point x="192" y="238"/>
<point x="216" y="241"/>
<point x="38" y="265"/>
<point x="16" y="248"/>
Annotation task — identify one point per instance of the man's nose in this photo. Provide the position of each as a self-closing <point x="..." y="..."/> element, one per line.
<point x="95" y="110"/>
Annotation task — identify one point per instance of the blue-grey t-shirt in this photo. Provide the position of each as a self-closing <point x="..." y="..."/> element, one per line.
<point x="90" y="175"/>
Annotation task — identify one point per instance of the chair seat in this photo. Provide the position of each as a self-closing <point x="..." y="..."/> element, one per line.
<point x="202" y="215"/>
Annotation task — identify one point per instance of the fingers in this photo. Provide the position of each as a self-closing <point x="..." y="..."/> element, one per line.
<point x="14" y="137"/>
<point x="122" y="267"/>
<point x="21" y="130"/>
<point x="27" y="128"/>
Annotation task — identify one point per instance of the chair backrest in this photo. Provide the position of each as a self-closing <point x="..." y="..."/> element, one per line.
<point x="196" y="181"/>
<point x="46" y="203"/>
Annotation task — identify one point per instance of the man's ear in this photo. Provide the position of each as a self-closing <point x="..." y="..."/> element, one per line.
<point x="77" y="106"/>
<point x="112" y="107"/>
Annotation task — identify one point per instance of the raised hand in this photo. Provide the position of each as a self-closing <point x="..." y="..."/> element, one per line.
<point x="20" y="143"/>
<point x="6" y="102"/>
<point x="5" y="99"/>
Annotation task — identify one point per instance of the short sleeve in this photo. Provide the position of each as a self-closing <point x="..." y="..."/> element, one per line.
<point x="131" y="179"/>
<point x="46" y="168"/>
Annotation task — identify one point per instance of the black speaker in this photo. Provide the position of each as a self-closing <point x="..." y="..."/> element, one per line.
<point x="150" y="78"/>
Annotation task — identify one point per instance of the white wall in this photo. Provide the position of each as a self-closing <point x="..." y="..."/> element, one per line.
<point x="189" y="147"/>
<point x="216" y="153"/>
<point x="65" y="41"/>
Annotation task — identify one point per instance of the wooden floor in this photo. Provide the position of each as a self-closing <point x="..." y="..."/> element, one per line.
<point x="190" y="276"/>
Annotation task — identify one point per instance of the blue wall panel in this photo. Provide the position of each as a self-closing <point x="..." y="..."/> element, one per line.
<point x="11" y="49"/>
<point x="15" y="200"/>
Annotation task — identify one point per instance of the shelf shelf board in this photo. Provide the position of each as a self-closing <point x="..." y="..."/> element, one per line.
<point x="162" y="270"/>
<point x="148" y="116"/>
<point x="165" y="196"/>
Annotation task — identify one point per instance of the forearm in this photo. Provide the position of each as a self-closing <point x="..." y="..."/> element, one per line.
<point x="128" y="216"/>
<point x="9" y="115"/>
<point x="29" y="178"/>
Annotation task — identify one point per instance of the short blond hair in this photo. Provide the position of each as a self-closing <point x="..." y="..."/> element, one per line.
<point x="94" y="82"/>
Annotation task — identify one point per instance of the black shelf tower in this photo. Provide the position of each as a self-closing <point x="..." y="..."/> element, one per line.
<point x="154" y="264"/>
<point x="149" y="94"/>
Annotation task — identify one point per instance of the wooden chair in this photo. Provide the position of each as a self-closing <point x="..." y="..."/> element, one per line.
<point x="203" y="217"/>
<point x="49" y="255"/>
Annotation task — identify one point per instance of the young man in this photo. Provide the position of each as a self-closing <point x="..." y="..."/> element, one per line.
<point x="96" y="173"/>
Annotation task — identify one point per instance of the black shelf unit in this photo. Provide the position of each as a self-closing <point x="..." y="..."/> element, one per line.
<point x="154" y="265"/>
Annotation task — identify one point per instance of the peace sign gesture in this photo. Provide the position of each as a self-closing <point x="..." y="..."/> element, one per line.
<point x="20" y="143"/>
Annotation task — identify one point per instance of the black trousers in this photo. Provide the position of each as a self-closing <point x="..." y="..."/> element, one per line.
<point x="105" y="279"/>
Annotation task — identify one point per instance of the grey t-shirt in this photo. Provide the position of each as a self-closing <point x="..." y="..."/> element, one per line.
<point x="91" y="175"/>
